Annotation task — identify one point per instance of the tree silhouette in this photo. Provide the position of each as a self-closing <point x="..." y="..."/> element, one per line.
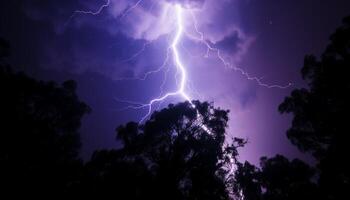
<point x="276" y="179"/>
<point x="247" y="182"/>
<point x="171" y="156"/>
<point x="39" y="138"/>
<point x="320" y="123"/>
<point x="4" y="49"/>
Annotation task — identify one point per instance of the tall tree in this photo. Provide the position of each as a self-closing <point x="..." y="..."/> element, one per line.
<point x="320" y="123"/>
<point x="276" y="179"/>
<point x="39" y="139"/>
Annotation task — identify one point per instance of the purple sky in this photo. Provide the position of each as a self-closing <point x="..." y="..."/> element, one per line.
<point x="266" y="38"/>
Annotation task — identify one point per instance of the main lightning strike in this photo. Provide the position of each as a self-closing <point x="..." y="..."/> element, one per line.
<point x="180" y="67"/>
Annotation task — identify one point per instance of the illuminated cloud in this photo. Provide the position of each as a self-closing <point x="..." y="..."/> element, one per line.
<point x="121" y="23"/>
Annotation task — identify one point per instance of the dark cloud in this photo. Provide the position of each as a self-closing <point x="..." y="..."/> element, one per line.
<point x="231" y="43"/>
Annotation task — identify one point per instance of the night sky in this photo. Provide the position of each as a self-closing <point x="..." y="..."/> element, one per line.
<point x="266" y="38"/>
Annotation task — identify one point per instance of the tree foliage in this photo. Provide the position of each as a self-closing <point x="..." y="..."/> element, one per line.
<point x="276" y="179"/>
<point x="320" y="123"/>
<point x="171" y="156"/>
<point x="39" y="138"/>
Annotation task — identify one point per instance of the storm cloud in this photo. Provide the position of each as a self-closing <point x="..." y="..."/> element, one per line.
<point x="92" y="42"/>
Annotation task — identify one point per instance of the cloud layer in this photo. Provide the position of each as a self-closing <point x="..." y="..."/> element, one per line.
<point x="94" y="41"/>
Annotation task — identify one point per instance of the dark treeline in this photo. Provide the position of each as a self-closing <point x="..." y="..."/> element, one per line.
<point x="171" y="156"/>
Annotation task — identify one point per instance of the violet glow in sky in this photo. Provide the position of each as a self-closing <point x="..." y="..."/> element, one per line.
<point x="108" y="52"/>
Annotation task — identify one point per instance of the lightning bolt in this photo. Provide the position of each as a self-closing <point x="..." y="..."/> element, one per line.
<point x="183" y="74"/>
<point x="180" y="67"/>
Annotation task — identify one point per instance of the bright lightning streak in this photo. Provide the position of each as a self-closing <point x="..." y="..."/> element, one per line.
<point x="181" y="89"/>
<point x="179" y="64"/>
<point x="183" y="73"/>
<point x="174" y="46"/>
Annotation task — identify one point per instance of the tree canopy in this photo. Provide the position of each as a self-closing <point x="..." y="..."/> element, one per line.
<point x="39" y="138"/>
<point x="320" y="123"/>
<point x="171" y="156"/>
<point x="276" y="179"/>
